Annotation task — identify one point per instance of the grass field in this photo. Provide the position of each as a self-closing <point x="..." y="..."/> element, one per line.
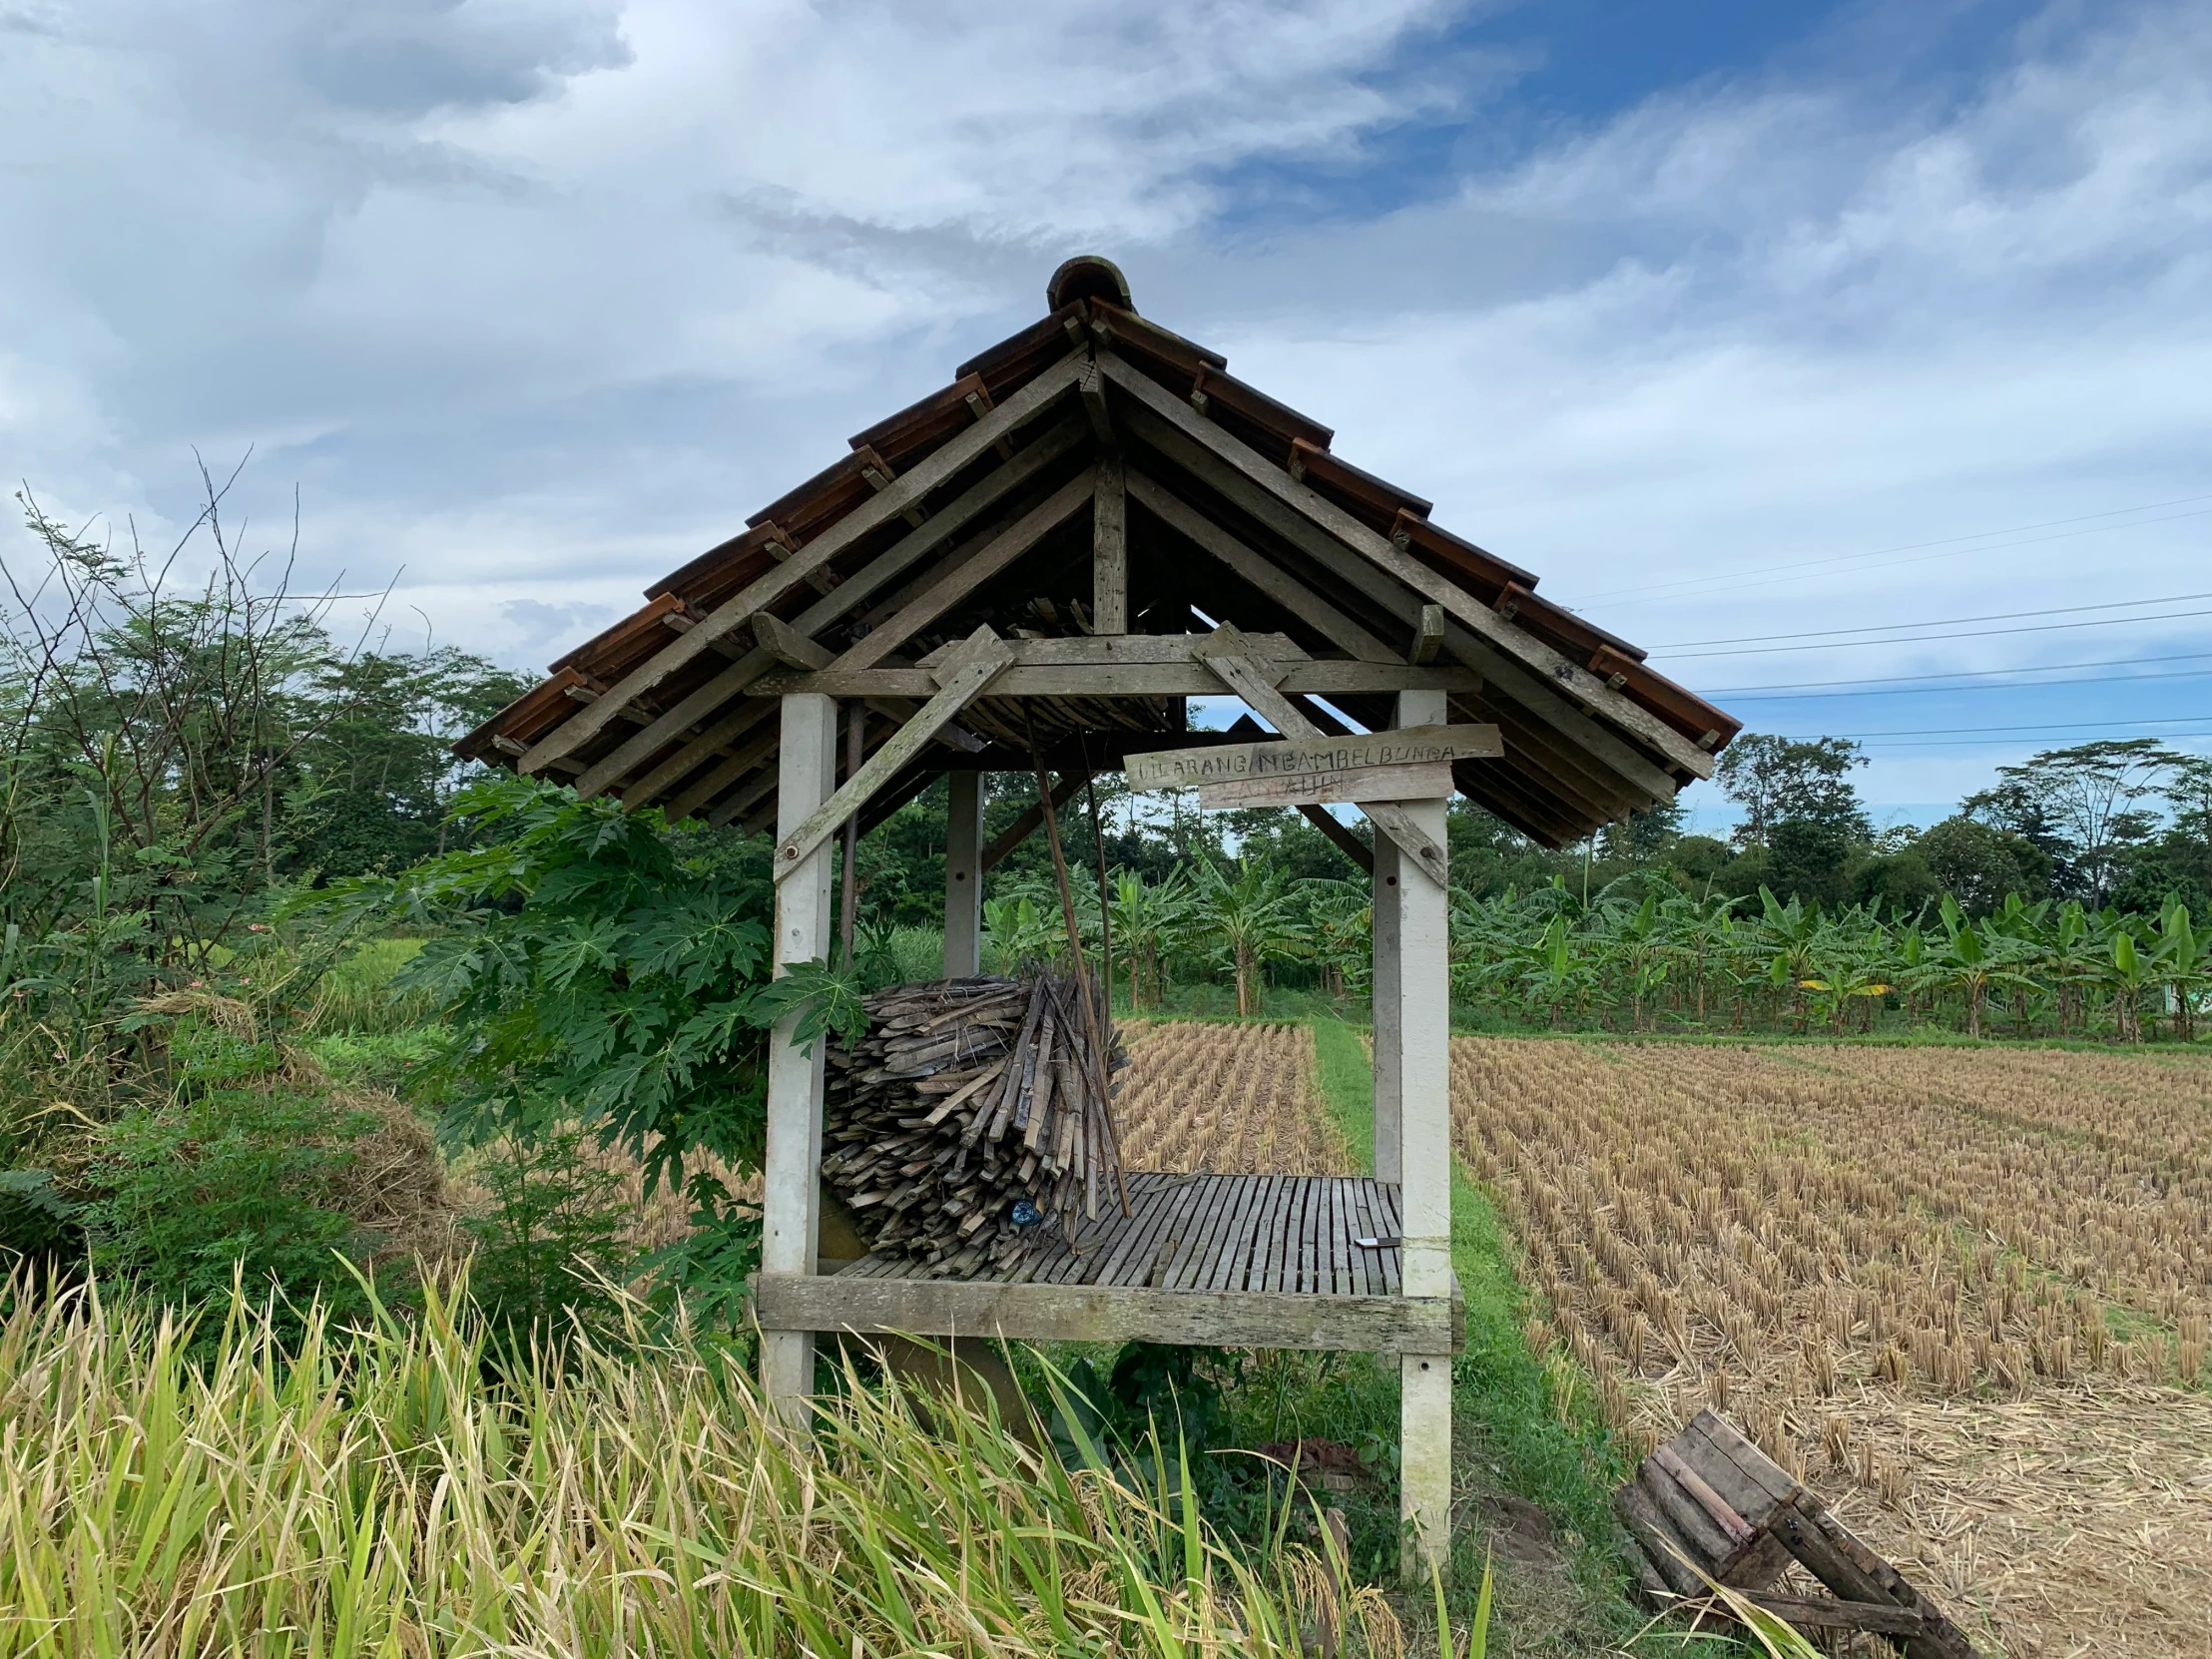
<point x="1962" y="1293"/>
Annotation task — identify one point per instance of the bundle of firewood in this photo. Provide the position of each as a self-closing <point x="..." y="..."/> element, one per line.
<point x="973" y="1118"/>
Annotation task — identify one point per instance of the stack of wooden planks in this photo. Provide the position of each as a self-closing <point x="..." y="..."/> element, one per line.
<point x="1709" y="1508"/>
<point x="975" y="1116"/>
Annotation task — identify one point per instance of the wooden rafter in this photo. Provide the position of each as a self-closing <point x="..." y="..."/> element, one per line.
<point x="959" y="682"/>
<point x="1303" y="516"/>
<point x="887" y="504"/>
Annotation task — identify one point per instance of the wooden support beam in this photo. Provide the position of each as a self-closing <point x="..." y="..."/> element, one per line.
<point x="842" y="599"/>
<point x="1328" y="677"/>
<point x="960" y="682"/>
<point x="1522" y="665"/>
<point x="1091" y="385"/>
<point x="963" y="875"/>
<point x="1429" y="638"/>
<point x="688" y="711"/>
<point x="935" y="469"/>
<point x="1031" y="816"/>
<point x="786" y="644"/>
<point x="1256" y="681"/>
<point x="1110" y="548"/>
<point x="963" y="579"/>
<point x="716" y="778"/>
<point x="790" y="1172"/>
<point x="1256" y="568"/>
<point x="1350" y="845"/>
<point x="1111" y="1314"/>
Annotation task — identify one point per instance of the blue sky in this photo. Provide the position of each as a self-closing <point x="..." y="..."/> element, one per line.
<point x="1843" y="356"/>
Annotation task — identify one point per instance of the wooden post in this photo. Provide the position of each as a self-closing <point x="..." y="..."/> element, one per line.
<point x="1421" y="994"/>
<point x="1389" y="1155"/>
<point x="963" y="875"/>
<point x="1110" y="549"/>
<point x="848" y="875"/>
<point x="806" y="775"/>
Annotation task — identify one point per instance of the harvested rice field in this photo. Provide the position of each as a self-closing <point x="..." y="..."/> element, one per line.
<point x="1228" y="1099"/>
<point x="1962" y="1293"/>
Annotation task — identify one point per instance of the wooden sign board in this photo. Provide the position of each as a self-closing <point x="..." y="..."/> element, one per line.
<point x="1416" y="780"/>
<point x="1411" y="763"/>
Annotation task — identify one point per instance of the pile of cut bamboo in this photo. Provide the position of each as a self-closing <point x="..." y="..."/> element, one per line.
<point x="973" y="1113"/>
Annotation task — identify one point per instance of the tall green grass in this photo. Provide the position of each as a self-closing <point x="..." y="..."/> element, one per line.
<point x="392" y="1491"/>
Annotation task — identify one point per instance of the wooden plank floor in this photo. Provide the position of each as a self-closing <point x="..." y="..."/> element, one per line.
<point x="1282" y="1233"/>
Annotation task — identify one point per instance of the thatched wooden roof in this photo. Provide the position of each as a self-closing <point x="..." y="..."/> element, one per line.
<point x="1095" y="432"/>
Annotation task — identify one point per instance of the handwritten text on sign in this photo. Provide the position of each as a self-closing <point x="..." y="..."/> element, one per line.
<point x="1286" y="759"/>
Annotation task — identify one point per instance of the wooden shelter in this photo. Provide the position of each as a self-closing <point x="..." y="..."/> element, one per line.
<point x="1094" y="522"/>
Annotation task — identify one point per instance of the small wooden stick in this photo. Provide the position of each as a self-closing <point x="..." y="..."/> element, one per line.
<point x="1067" y="914"/>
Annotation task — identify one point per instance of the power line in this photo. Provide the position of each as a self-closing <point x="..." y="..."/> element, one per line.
<point x="1932" y="690"/>
<point x="1941" y="621"/>
<point x="1975" y="731"/>
<point x="1929" y="639"/>
<point x="1964" y="674"/>
<point x="1768" y="574"/>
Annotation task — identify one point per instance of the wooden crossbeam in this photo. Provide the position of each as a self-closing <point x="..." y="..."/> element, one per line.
<point x="959" y="682"/>
<point x="935" y="469"/>
<point x="1256" y="680"/>
<point x="1309" y="519"/>
<point x="964" y="578"/>
<point x="1257" y="569"/>
<point x="1328" y="677"/>
<point x="842" y="600"/>
<point x="1110" y="548"/>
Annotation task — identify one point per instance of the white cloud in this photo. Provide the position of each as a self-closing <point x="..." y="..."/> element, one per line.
<point x="537" y="299"/>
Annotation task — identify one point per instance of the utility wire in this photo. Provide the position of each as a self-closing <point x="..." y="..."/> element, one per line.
<point x="1967" y="674"/>
<point x="1770" y="574"/>
<point x="1973" y="731"/>
<point x="1939" y="622"/>
<point x="1954" y="691"/>
<point x="1925" y="639"/>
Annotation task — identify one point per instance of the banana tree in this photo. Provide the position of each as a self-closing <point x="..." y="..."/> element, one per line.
<point x="1970" y="963"/>
<point x="1147" y="918"/>
<point x="2182" y="959"/>
<point x="1790" y="935"/>
<point x="1556" y="974"/>
<point x="1850" y="968"/>
<point x="2133" y="972"/>
<point x="1254" y="918"/>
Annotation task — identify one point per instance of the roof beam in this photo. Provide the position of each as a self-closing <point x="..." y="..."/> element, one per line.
<point x="1314" y="518"/>
<point x="1256" y="681"/>
<point x="957" y="584"/>
<point x="1327" y="677"/>
<point x="844" y="599"/>
<point x="1255" y="567"/>
<point x="1392" y="595"/>
<point x="984" y="657"/>
<point x="886" y="505"/>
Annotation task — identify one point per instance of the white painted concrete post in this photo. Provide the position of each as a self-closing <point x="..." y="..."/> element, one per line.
<point x="963" y="875"/>
<point x="1422" y="999"/>
<point x="1390" y="1145"/>
<point x="805" y="776"/>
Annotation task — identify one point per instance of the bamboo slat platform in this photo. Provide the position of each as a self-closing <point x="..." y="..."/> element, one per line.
<point x="1262" y="1261"/>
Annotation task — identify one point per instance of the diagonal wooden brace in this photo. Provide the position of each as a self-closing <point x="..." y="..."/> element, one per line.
<point x="981" y="659"/>
<point x="1252" y="678"/>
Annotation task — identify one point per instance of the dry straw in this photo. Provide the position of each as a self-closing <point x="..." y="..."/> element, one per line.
<point x="377" y="1494"/>
<point x="1967" y="1293"/>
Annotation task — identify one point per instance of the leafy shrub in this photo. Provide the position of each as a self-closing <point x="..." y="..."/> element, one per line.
<point x="234" y="1182"/>
<point x="553" y="1240"/>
